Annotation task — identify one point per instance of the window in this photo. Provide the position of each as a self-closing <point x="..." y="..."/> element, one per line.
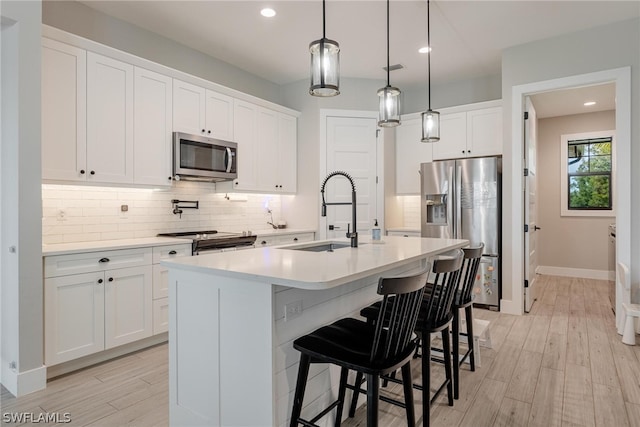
<point x="587" y="174"/>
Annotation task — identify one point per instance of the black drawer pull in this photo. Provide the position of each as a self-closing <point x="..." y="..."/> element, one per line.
<point x="172" y="252"/>
<point x="111" y="279"/>
<point x="104" y="260"/>
<point x="295" y="239"/>
<point x="264" y="242"/>
<point x="99" y="280"/>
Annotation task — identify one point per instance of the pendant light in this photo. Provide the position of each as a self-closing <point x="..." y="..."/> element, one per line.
<point x="325" y="64"/>
<point x="430" y="118"/>
<point x="389" y="107"/>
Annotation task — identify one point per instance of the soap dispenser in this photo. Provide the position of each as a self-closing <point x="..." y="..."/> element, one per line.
<point x="375" y="231"/>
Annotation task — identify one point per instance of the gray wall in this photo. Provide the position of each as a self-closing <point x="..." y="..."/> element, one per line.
<point x="603" y="48"/>
<point x="81" y="20"/>
<point x="569" y="242"/>
<point x="21" y="201"/>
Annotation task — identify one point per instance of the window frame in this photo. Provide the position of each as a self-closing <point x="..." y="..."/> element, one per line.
<point x="564" y="175"/>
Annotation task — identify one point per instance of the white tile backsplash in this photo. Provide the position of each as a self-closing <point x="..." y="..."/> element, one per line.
<point x="411" y="211"/>
<point x="74" y="213"/>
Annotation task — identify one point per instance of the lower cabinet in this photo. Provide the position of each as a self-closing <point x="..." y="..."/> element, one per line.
<point x="273" y="240"/>
<point x="87" y="313"/>
<point x="94" y="301"/>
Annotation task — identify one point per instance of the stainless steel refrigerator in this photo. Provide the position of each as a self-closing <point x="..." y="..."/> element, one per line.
<point x="462" y="199"/>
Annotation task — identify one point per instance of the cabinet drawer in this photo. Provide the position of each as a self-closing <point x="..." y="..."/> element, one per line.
<point x="172" y="251"/>
<point x="262" y="242"/>
<point x="296" y="238"/>
<point x="63" y="265"/>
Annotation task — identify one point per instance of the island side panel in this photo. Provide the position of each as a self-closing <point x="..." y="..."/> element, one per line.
<point x="216" y="326"/>
<point x="320" y="307"/>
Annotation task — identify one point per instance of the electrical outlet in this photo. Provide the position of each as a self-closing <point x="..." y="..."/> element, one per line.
<point x="292" y="310"/>
<point x="61" y="215"/>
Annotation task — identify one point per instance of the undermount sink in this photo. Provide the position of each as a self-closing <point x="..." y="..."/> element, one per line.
<point x="320" y="247"/>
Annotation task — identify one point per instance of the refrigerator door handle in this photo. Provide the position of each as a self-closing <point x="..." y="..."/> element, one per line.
<point x="450" y="203"/>
<point x="458" y="204"/>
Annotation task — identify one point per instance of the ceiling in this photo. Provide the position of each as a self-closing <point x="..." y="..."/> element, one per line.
<point x="571" y="101"/>
<point x="467" y="36"/>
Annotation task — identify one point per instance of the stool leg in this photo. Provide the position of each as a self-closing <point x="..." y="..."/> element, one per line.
<point x="426" y="380"/>
<point x="468" y="312"/>
<point x="373" y="394"/>
<point x="303" y="372"/>
<point x="407" y="385"/>
<point x="356" y="393"/>
<point x="341" y="393"/>
<point x="456" y="352"/>
<point x="446" y="347"/>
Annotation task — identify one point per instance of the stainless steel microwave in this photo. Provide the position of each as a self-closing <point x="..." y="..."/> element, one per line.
<point x="200" y="158"/>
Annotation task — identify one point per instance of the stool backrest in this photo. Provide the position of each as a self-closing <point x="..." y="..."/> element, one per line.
<point x="437" y="307"/>
<point x="470" y="264"/>
<point x="398" y="314"/>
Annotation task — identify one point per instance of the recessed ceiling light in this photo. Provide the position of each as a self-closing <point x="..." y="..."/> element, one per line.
<point x="589" y="103"/>
<point x="424" y="49"/>
<point x="267" y="12"/>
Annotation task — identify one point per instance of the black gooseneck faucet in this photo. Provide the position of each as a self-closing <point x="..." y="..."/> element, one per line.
<point x="351" y="235"/>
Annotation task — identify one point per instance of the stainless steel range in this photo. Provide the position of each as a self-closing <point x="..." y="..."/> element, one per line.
<point x="213" y="240"/>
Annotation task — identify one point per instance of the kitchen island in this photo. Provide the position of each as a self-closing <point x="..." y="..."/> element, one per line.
<point x="234" y="315"/>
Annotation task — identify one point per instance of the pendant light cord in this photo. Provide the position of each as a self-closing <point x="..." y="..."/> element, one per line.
<point x="429" y="56"/>
<point x="388" y="69"/>
<point x="323" y="21"/>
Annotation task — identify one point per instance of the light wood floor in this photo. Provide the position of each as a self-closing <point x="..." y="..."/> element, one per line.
<point x="561" y="365"/>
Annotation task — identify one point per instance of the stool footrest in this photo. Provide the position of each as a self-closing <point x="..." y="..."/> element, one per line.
<point x="320" y="415"/>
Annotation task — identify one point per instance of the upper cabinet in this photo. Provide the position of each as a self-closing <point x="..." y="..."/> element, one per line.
<point x="476" y="132"/>
<point x="410" y="152"/>
<point x="201" y="111"/>
<point x="109" y="120"/>
<point x="64" y="109"/>
<point x="152" y="128"/>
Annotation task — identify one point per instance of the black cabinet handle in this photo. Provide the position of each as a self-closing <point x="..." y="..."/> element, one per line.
<point x="263" y="242"/>
<point x="104" y="260"/>
<point x="81" y="171"/>
<point x="208" y="131"/>
<point x="92" y="172"/>
<point x="169" y="178"/>
<point x="203" y="130"/>
<point x="172" y="252"/>
<point x="295" y="239"/>
<point x="99" y="280"/>
<point x="111" y="279"/>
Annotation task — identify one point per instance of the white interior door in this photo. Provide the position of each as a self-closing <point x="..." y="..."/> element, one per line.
<point x="530" y="205"/>
<point x="351" y="147"/>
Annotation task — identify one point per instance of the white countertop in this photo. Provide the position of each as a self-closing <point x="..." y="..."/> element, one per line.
<point x="316" y="270"/>
<point x="107" y="245"/>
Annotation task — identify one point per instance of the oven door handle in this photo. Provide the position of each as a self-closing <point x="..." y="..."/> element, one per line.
<point x="229" y="160"/>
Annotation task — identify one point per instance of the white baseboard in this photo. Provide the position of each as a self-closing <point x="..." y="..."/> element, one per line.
<point x="508" y="307"/>
<point x="21" y="383"/>
<point x="582" y="273"/>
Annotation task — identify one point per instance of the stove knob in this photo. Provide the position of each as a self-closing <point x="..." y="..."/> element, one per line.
<point x="198" y="236"/>
<point x="204" y="236"/>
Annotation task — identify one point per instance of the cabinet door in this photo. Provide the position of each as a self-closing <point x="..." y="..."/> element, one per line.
<point x="152" y="128"/>
<point x="410" y="152"/>
<point x="64" y="109"/>
<point x="73" y="316"/>
<point x="219" y="116"/>
<point x="287" y="153"/>
<point x="484" y="132"/>
<point x="245" y="132"/>
<point x="160" y="281"/>
<point x="109" y="120"/>
<point x="267" y="151"/>
<point x="160" y="316"/>
<point x="128" y="305"/>
<point x="453" y="137"/>
<point x="188" y="108"/>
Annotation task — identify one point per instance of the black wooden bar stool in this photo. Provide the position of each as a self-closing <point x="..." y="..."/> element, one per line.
<point x="436" y="315"/>
<point x="370" y="349"/>
<point x="464" y="299"/>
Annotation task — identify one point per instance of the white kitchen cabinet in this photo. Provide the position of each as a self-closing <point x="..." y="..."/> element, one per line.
<point x="99" y="300"/>
<point x="267" y="150"/>
<point x="64" y="110"/>
<point x="201" y="111"/>
<point x="285" y="239"/>
<point x="109" y="120"/>
<point x="476" y="132"/>
<point x="410" y="152"/>
<point x="404" y="233"/>
<point x="153" y="106"/>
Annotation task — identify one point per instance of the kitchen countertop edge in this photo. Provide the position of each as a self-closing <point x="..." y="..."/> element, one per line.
<point x="109" y="245"/>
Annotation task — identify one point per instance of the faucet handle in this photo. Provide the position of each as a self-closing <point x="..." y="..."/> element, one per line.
<point x="348" y="230"/>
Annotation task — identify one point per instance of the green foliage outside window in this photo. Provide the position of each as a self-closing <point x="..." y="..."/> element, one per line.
<point x="589" y="174"/>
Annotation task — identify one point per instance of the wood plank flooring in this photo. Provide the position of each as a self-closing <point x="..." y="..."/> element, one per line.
<point x="561" y="365"/>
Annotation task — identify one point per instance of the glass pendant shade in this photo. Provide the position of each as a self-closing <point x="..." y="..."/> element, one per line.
<point x="389" y="109"/>
<point x="325" y="68"/>
<point x="430" y="126"/>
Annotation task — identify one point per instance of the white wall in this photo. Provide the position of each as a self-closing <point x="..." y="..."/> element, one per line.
<point x="21" y="286"/>
<point x="607" y="47"/>
<point x="93" y="213"/>
<point x="569" y="242"/>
